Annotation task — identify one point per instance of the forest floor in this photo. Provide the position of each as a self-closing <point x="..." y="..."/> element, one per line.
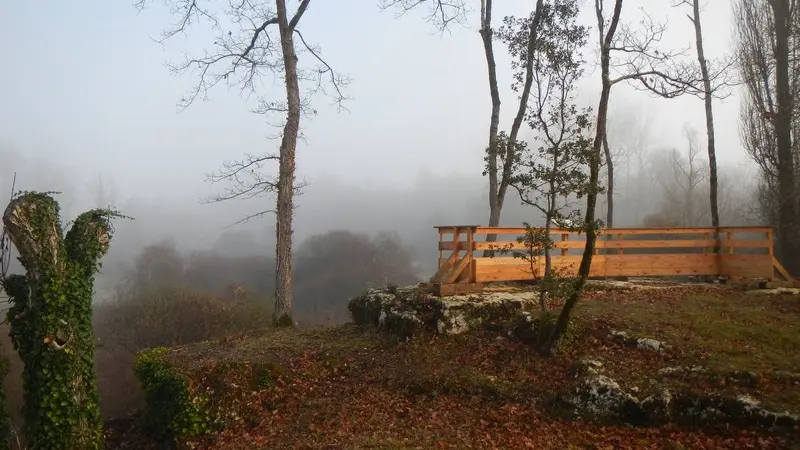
<point x="353" y="388"/>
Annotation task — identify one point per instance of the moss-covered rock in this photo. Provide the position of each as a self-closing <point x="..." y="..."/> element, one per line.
<point x="601" y="398"/>
<point x="410" y="310"/>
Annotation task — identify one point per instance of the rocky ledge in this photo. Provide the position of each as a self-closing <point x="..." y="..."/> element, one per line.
<point x="406" y="311"/>
<point x="599" y="397"/>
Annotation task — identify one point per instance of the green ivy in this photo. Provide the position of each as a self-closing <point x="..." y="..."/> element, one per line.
<point x="173" y="412"/>
<point x="51" y="319"/>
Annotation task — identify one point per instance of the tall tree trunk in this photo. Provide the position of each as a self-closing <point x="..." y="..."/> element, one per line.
<point x="548" y="268"/>
<point x="609" y="185"/>
<point x="508" y="164"/>
<point x="707" y="99"/>
<point x="787" y="226"/>
<point x="561" y="324"/>
<point x="498" y="187"/>
<point x="495" y="203"/>
<point x="609" y="191"/>
<point x="285" y="198"/>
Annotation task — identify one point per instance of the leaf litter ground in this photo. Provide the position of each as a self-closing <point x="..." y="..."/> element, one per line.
<point x="352" y="388"/>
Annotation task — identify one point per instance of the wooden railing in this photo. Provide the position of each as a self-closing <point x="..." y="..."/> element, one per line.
<point x="744" y="252"/>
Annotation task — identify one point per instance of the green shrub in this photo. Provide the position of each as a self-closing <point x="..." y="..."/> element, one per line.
<point x="173" y="412"/>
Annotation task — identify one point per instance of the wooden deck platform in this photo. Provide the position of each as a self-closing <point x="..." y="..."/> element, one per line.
<point x="744" y="252"/>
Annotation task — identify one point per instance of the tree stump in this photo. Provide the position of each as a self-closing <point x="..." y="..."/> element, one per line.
<point x="51" y="319"/>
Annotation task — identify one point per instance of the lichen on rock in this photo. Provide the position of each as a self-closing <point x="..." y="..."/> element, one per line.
<point x="586" y="366"/>
<point x="644" y="343"/>
<point x="599" y="397"/>
<point x="406" y="311"/>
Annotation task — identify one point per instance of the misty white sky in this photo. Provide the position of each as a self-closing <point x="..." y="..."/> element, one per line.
<point x="85" y="84"/>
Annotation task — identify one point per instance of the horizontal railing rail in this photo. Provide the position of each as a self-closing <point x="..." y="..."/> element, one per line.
<point x="619" y="252"/>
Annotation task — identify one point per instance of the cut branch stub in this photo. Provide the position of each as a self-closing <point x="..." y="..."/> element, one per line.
<point x="88" y="239"/>
<point x="33" y="226"/>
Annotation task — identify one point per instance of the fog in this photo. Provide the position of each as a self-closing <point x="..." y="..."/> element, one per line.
<point x="97" y="120"/>
<point x="89" y="110"/>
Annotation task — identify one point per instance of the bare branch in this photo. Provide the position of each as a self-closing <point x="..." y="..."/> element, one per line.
<point x="336" y="80"/>
<point x="246" y="179"/>
<point x="441" y="13"/>
<point x="188" y="13"/>
<point x="664" y="72"/>
<point x="299" y="14"/>
<point x="242" y="56"/>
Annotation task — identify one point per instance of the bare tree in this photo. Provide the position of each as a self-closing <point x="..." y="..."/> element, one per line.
<point x="635" y="56"/>
<point x="768" y="48"/>
<point x="629" y="132"/>
<point x="709" y="90"/>
<point x="682" y="182"/>
<point x="244" y="51"/>
<point x="499" y="160"/>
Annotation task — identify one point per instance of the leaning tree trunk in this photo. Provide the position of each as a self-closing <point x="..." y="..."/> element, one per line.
<point x="51" y="320"/>
<point x="560" y="327"/>
<point x="495" y="200"/>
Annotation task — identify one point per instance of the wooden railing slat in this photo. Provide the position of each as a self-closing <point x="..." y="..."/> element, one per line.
<point x="453" y="267"/>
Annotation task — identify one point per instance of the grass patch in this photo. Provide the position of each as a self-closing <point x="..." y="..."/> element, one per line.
<point x="729" y="331"/>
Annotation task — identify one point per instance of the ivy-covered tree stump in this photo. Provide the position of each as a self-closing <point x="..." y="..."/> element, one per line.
<point x="51" y="319"/>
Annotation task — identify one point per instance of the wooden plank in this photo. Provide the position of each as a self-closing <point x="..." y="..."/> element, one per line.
<point x="684" y="230"/>
<point x="781" y="270"/>
<point x="742" y="265"/>
<point x="771" y="240"/>
<point x="514" y="269"/>
<point x="510" y="260"/>
<point x="617" y="244"/>
<point x="456" y="270"/>
<point x="469" y="254"/>
<point x="444" y="290"/>
<point x="647" y="265"/>
<point x="445" y="267"/>
<point x="514" y="245"/>
<point x="631" y="231"/>
<point x="470" y="270"/>
<point x="452" y="246"/>
<point x="515" y="230"/>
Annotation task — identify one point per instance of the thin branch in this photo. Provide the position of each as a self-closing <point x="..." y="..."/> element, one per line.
<point x="664" y="73"/>
<point x="299" y="14"/>
<point x="441" y="13"/>
<point x="335" y="80"/>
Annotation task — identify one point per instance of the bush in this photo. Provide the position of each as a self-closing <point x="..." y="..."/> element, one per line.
<point x="176" y="315"/>
<point x="334" y="267"/>
<point x="167" y="298"/>
<point x="190" y="397"/>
